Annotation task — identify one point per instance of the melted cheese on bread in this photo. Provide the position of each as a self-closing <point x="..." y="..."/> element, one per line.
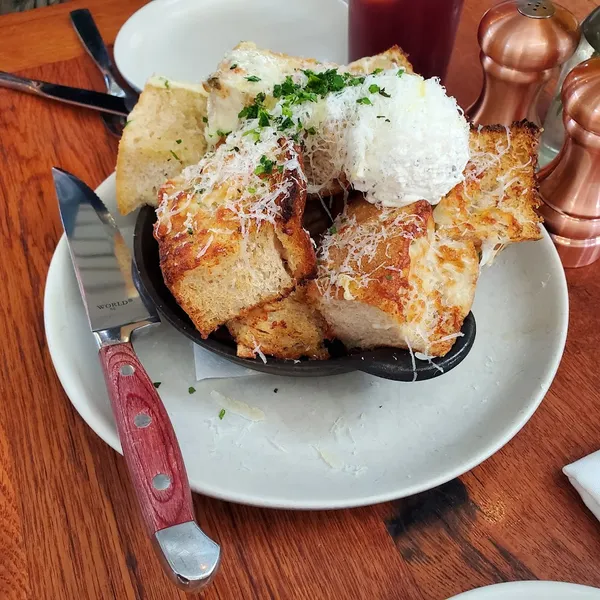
<point x="229" y="230"/>
<point x="385" y="278"/>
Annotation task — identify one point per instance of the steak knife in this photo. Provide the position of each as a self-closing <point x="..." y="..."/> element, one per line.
<point x="115" y="309"/>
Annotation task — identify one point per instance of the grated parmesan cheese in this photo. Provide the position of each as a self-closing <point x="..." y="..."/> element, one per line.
<point x="238" y="407"/>
<point x="226" y="180"/>
<point x="419" y="150"/>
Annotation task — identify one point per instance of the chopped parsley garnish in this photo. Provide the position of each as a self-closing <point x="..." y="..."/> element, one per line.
<point x="325" y="82"/>
<point x="377" y="71"/>
<point x="252" y="190"/>
<point x="287" y="88"/>
<point x="233" y="66"/>
<point x="265" y="166"/>
<point x="364" y="101"/>
<point x="222" y="133"/>
<point x="381" y="116"/>
<point x="178" y="141"/>
<point x="333" y="229"/>
<point x="263" y="118"/>
<point x="205" y="119"/>
<point x="290" y="93"/>
<point x="167" y="84"/>
<point x="175" y="155"/>
<point x="388" y="277"/>
<point x="127" y="123"/>
<point x="248" y="112"/>
<point x="286" y="123"/>
<point x="191" y="390"/>
<point x="252" y="78"/>
<point x="400" y="72"/>
<point x="352" y="81"/>
<point x="222" y="414"/>
<point x="253" y="132"/>
<point x="375" y="89"/>
<point x="156" y="384"/>
<point x="251" y="111"/>
<point x="190" y="231"/>
<point x="280" y="168"/>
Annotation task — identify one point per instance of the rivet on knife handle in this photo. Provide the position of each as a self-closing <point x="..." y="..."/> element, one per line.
<point x="157" y="470"/>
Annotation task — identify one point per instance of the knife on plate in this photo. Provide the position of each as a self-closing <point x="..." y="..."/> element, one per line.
<point x="70" y="95"/>
<point x="116" y="309"/>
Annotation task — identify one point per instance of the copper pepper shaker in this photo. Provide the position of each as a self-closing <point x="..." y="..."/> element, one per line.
<point x="570" y="184"/>
<point x="522" y="44"/>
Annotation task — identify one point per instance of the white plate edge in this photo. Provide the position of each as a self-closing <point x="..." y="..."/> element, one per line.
<point x="111" y="438"/>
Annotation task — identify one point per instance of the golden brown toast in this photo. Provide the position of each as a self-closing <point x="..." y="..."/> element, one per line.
<point x="164" y="134"/>
<point x="496" y="204"/>
<point x="392" y="58"/>
<point x="289" y="328"/>
<point x="385" y="278"/>
<point x="230" y="231"/>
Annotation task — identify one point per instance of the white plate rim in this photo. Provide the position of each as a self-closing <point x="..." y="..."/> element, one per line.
<point x="530" y="586"/>
<point x="76" y="395"/>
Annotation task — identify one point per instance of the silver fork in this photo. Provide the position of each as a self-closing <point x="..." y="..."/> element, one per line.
<point x="90" y="37"/>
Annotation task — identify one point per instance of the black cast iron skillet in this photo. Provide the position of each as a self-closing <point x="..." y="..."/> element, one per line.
<point x="389" y="363"/>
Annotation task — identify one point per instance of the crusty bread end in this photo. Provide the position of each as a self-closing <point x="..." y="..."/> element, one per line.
<point x="164" y="134"/>
<point x="496" y="204"/>
<point x="289" y="329"/>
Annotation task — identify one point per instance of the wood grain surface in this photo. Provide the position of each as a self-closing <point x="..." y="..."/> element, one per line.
<point x="70" y="528"/>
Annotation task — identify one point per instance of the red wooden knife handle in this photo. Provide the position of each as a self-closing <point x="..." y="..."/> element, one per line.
<point x="148" y="440"/>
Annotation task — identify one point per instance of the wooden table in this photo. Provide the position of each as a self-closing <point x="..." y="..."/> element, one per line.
<point x="69" y="525"/>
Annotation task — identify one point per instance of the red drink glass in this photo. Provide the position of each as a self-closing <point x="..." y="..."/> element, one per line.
<point x="424" y="29"/>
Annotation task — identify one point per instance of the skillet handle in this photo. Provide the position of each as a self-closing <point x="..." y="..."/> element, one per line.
<point x="397" y="364"/>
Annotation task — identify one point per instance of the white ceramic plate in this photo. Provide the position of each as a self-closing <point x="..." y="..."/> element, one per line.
<point x="185" y="39"/>
<point x="383" y="439"/>
<point x="532" y="590"/>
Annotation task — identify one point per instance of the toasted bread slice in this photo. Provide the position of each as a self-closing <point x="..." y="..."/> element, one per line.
<point x="243" y="73"/>
<point x="289" y="328"/>
<point x="164" y="134"/>
<point x="496" y="204"/>
<point x="248" y="73"/>
<point x="393" y="58"/>
<point x="230" y="230"/>
<point x="386" y="279"/>
<point x="248" y="70"/>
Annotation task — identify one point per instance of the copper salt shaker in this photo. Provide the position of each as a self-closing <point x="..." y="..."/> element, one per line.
<point x="570" y="184"/>
<point x="522" y="44"/>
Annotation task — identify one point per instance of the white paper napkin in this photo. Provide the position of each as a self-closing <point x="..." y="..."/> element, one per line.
<point x="211" y="366"/>
<point x="584" y="474"/>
